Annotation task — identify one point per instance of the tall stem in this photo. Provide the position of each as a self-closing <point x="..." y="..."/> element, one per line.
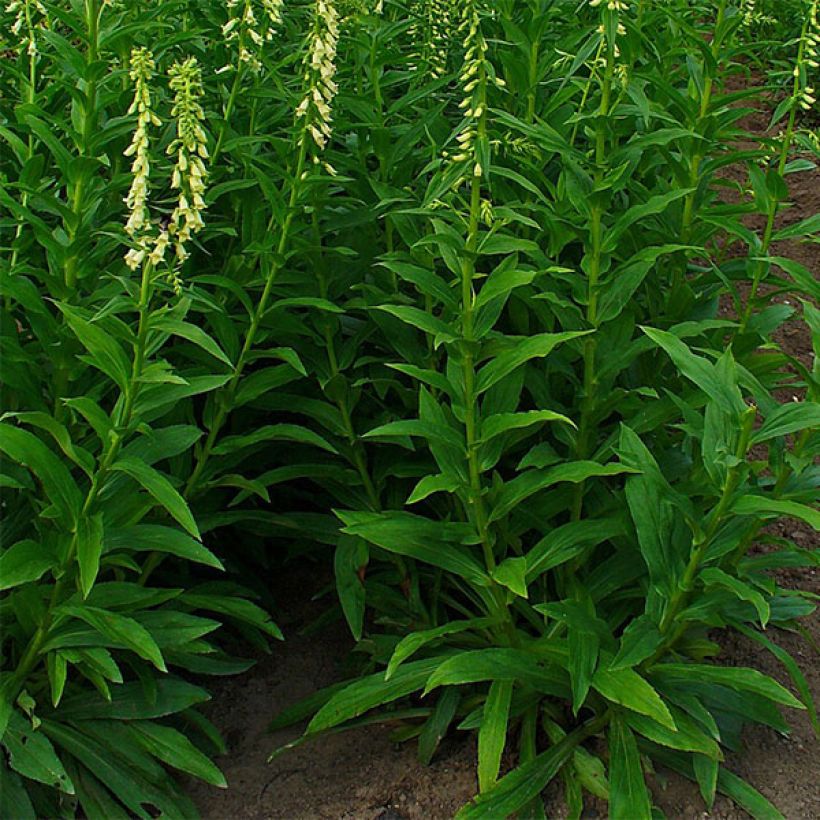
<point x="584" y="442"/>
<point x="121" y="428"/>
<point x="774" y="201"/>
<point x="228" y="394"/>
<point x="700" y="547"/>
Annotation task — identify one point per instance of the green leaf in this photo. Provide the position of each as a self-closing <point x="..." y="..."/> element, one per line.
<point x="422" y="320"/>
<point x="639" y="640"/>
<point x="416" y="537"/>
<point x="120" y="629"/>
<point x="699" y="370"/>
<point x="156" y="538"/>
<point x="161" y="489"/>
<point x="737" y="677"/>
<point x="713" y="576"/>
<point x="106" y="353"/>
<point x="746" y="796"/>
<point x="687" y="737"/>
<point x="272" y="432"/>
<point x="628" y="795"/>
<point x="654" y="205"/>
<point x="706" y="773"/>
<point x="32" y="755"/>
<point x="522" y="785"/>
<point x="501" y="423"/>
<point x="173" y="748"/>
<point x="350" y="563"/>
<point x="627" y="688"/>
<point x="369" y="692"/>
<point x="512" y="573"/>
<point x="191" y="333"/>
<point x="797" y="676"/>
<point x="26" y="449"/>
<point x="584" y="644"/>
<point x="651" y="503"/>
<point x="14" y="800"/>
<point x="432" y="484"/>
<point x="527" y="484"/>
<point x="761" y="506"/>
<point x="501" y="282"/>
<point x="131" y="701"/>
<point x="492" y="735"/>
<point x="89" y="549"/>
<point x="568" y="541"/>
<point x="522" y="351"/>
<point x="619" y="287"/>
<point x="23" y="562"/>
<point x="437" y="724"/>
<point x="788" y="418"/>
<point x="240" y="608"/>
<point x="412" y="643"/>
<point x="415" y="427"/>
<point x="500" y="664"/>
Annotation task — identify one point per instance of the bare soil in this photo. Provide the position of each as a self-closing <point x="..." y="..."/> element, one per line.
<point x="361" y="774"/>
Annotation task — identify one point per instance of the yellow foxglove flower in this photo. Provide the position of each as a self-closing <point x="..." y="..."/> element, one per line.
<point x="189" y="147"/>
<point x="316" y="106"/>
<point x="138" y="223"/>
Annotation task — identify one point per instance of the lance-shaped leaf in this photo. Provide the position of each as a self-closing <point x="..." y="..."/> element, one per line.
<point x="367" y="693"/>
<point x="521" y="352"/>
<point x="433" y="542"/>
<point x="161" y="489"/>
<point x="501" y="423"/>
<point x="628" y="795"/>
<point x="527" y="484"/>
<point x="89" y="549"/>
<point x="26" y="449"/>
<point x="492" y="735"/>
<point x="105" y="352"/>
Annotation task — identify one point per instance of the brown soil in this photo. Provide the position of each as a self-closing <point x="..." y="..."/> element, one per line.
<point x="361" y="774"/>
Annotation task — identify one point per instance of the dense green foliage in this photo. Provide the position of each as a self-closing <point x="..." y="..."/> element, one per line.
<point x="430" y="291"/>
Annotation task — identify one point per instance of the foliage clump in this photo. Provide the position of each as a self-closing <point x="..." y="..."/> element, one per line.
<point x="445" y="296"/>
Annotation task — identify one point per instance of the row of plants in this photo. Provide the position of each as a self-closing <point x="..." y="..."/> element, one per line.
<point x="430" y="293"/>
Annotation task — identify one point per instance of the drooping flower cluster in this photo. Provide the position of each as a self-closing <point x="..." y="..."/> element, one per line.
<point x="316" y="107"/>
<point x="244" y="28"/>
<point x="29" y="16"/>
<point x="612" y="5"/>
<point x="138" y="224"/>
<point x="475" y="75"/>
<point x="808" y="61"/>
<point x="189" y="175"/>
<point x="431" y="30"/>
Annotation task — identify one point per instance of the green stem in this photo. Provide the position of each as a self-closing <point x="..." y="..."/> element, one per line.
<point x="584" y="441"/>
<point x="93" y="13"/>
<point x="228" y="394"/>
<point x="696" y="158"/>
<point x="237" y="84"/>
<point x="683" y="594"/>
<point x="121" y="429"/>
<point x="774" y="201"/>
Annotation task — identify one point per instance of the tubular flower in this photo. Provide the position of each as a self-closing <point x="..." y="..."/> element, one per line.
<point x="432" y="30"/>
<point x="320" y="87"/>
<point x="244" y="28"/>
<point x="474" y="77"/>
<point x="189" y="175"/>
<point x="612" y="5"/>
<point x="29" y="16"/>
<point x="141" y="71"/>
<point x="809" y="59"/>
<point x="811" y="55"/>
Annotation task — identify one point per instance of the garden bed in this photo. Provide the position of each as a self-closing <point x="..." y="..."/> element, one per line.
<point x="361" y="774"/>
